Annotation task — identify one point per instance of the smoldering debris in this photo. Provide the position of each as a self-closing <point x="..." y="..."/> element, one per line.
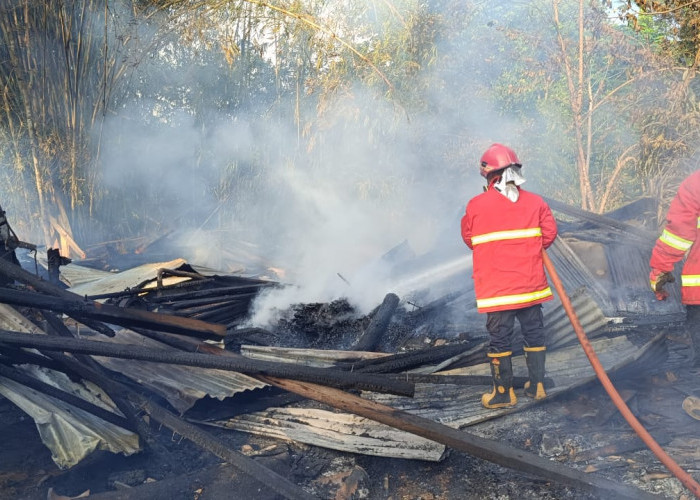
<point x="166" y="354"/>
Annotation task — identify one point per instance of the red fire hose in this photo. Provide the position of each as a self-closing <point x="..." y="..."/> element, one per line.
<point x="677" y="471"/>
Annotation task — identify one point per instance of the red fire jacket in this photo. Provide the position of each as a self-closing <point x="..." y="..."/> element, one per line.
<point x="507" y="240"/>
<point x="679" y="236"/>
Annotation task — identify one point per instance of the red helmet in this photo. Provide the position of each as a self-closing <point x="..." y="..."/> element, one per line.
<point x="497" y="157"/>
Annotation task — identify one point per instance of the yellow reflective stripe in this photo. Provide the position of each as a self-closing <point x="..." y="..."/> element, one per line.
<point x="507" y="235"/>
<point x="675" y="241"/>
<point x="499" y="354"/>
<point x="698" y="221"/>
<point x="506" y="300"/>
<point x="534" y="349"/>
<point x="690" y="280"/>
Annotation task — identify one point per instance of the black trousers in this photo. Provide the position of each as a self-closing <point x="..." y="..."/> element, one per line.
<point x="501" y="324"/>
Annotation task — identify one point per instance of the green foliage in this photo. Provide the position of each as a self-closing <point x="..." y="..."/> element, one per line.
<point x="377" y="96"/>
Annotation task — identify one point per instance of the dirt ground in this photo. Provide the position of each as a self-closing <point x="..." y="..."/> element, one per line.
<point x="559" y="429"/>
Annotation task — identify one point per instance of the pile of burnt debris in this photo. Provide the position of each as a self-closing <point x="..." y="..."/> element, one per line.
<point x="156" y="368"/>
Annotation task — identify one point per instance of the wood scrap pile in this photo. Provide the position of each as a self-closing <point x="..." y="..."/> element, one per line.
<point x="375" y="402"/>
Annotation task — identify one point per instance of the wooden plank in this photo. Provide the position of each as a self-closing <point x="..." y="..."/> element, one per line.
<point x="112" y="314"/>
<point x="67" y="241"/>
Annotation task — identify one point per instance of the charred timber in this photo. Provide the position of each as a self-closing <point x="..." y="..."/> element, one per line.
<point x="224" y="314"/>
<point x="138" y="290"/>
<point x="408" y="360"/>
<point x="202" y="308"/>
<point x="324" y="376"/>
<point x="17" y="273"/>
<point x="17" y="356"/>
<point x="378" y="324"/>
<point x="112" y="314"/>
<point x="214" y="445"/>
<point x="233" y="291"/>
<point x="243" y="298"/>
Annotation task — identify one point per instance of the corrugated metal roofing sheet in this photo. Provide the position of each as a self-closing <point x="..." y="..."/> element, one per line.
<point x="118" y="282"/>
<point x="69" y="432"/>
<point x="181" y="385"/>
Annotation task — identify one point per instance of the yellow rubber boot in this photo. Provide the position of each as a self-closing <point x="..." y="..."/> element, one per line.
<point x="534" y="357"/>
<point x="502" y="395"/>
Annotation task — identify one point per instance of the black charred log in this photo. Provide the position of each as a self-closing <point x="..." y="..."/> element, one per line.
<point x="369" y="340"/>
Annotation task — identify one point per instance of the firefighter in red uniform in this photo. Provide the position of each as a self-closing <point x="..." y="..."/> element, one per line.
<point x="507" y="227"/>
<point x="676" y="241"/>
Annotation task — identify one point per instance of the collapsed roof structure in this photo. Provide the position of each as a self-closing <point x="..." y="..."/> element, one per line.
<point x="410" y="372"/>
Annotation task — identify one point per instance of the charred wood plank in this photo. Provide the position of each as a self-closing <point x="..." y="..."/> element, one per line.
<point x="13" y="356"/>
<point x="112" y="314"/>
<point x="632" y="443"/>
<point x="224" y="314"/>
<point x="324" y="376"/>
<point x="408" y="360"/>
<point x="204" y="307"/>
<point x="17" y="273"/>
<point x="192" y="297"/>
<point x="214" y="445"/>
<point x="369" y="340"/>
<point x="155" y="292"/>
<point x="220" y="477"/>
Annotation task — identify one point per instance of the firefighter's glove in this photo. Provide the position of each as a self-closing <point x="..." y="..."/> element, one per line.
<point x="657" y="280"/>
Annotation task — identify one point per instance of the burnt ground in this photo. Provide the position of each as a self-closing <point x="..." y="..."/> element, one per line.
<point x="559" y="429"/>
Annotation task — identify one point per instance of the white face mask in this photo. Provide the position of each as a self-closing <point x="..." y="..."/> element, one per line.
<point x="507" y="185"/>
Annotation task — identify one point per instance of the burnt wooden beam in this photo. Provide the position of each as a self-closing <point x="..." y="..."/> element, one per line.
<point x="618" y="447"/>
<point x="407" y="360"/>
<point x="112" y="314"/>
<point x="138" y="290"/>
<point x="214" y="445"/>
<point x="325" y="376"/>
<point x="17" y="356"/>
<point x="16" y="273"/>
<point x="202" y="308"/>
<point x="224" y="315"/>
<point x="192" y="297"/>
<point x="369" y="339"/>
